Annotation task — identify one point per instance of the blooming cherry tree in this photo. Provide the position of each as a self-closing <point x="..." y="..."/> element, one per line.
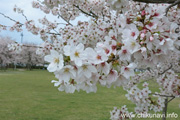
<point x="119" y="36"/>
<point x="6" y="56"/>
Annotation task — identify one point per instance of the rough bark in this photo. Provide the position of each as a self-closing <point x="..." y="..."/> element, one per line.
<point x="165" y="109"/>
<point x="156" y="1"/>
<point x="171" y="2"/>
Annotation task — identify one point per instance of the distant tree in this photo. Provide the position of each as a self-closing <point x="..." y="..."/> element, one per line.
<point x="6" y="56"/>
<point x="29" y="57"/>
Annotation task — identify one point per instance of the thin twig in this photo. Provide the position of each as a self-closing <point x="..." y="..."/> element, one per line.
<point x="171" y="99"/>
<point x="53" y="33"/>
<point x="4" y="25"/>
<point x="56" y="32"/>
<point x="89" y="14"/>
<point x="94" y="14"/>
<point x="24" y="17"/>
<point x="62" y="23"/>
<point x="32" y="46"/>
<point x="64" y="19"/>
<point x="166" y="70"/>
<point x="163" y="95"/>
<point x="10" y="18"/>
<point x="173" y="4"/>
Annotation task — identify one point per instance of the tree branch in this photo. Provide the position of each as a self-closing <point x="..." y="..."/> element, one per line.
<point x="31" y="46"/>
<point x="173" y="4"/>
<point x="171" y="99"/>
<point x="53" y="33"/>
<point x="166" y="70"/>
<point x="10" y="18"/>
<point x="164" y="95"/>
<point x="156" y="1"/>
<point x="89" y="14"/>
<point x="4" y="25"/>
<point x="57" y="33"/>
<point x="64" y="19"/>
<point x="24" y="16"/>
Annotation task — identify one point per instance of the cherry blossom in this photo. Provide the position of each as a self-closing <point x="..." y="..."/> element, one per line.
<point x="128" y="71"/>
<point x="86" y="70"/>
<point x="76" y="53"/>
<point x="56" y="61"/>
<point x="124" y="54"/>
<point x="66" y="73"/>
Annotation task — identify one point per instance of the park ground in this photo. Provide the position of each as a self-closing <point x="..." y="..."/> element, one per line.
<point x="30" y="95"/>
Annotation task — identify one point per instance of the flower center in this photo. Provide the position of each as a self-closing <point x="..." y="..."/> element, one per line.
<point x="84" y="67"/>
<point x="124" y="51"/>
<point x="133" y="44"/>
<point x="56" y="60"/>
<point x="133" y="34"/>
<point x="76" y="54"/>
<point x="114" y="38"/>
<point x="98" y="57"/>
<point x="103" y="64"/>
<point x="107" y="51"/>
<point x="126" y="68"/>
<point x="150" y="24"/>
<point x="66" y="70"/>
<point x="113" y="47"/>
<point x="111" y="72"/>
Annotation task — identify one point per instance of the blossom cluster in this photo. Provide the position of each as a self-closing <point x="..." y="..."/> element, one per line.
<point x="170" y="83"/>
<point x="120" y="46"/>
<point x="120" y="114"/>
<point x="143" y="100"/>
<point x="120" y="36"/>
<point x="15" y="47"/>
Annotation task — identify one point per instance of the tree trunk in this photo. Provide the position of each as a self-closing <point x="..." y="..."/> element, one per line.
<point x="165" y="109"/>
<point x="14" y="66"/>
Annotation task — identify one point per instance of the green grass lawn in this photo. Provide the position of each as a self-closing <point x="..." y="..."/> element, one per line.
<point x="30" y="95"/>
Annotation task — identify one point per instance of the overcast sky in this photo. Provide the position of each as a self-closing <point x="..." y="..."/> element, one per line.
<point x="6" y="7"/>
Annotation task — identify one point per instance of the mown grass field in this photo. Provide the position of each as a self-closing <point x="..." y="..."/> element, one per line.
<point x="29" y="95"/>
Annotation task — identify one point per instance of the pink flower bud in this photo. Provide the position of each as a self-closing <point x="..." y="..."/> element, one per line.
<point x="142" y="35"/>
<point x="151" y="38"/>
<point x="143" y="13"/>
<point x="141" y="42"/>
